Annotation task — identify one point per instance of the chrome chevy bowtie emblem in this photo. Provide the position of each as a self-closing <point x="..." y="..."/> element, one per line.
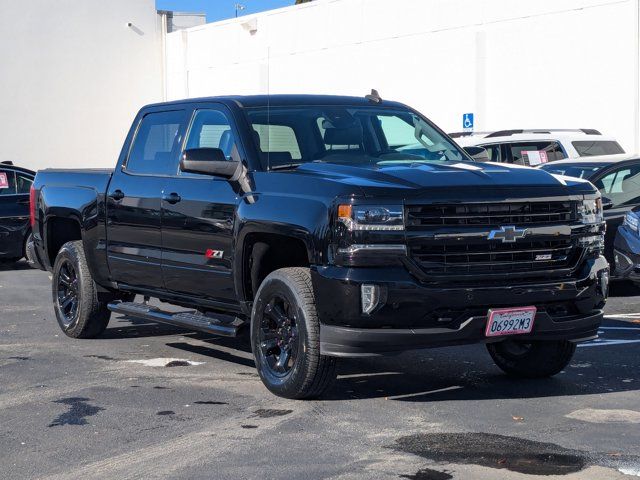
<point x="508" y="234"/>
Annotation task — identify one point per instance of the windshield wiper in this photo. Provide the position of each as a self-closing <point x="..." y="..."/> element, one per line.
<point x="285" y="166"/>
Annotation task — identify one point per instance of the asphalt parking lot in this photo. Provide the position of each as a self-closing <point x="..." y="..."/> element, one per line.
<point x="110" y="408"/>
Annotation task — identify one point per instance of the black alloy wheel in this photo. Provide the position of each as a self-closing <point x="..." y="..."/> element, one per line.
<point x="67" y="297"/>
<point x="285" y="336"/>
<point x="81" y="310"/>
<point x="278" y="336"/>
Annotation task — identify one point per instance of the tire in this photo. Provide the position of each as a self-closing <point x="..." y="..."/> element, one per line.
<point x="71" y="279"/>
<point x="26" y="253"/>
<point x="284" y="319"/>
<point x="532" y="360"/>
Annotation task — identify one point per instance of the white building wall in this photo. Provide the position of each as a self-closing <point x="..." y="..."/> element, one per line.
<point x="72" y="75"/>
<point x="515" y="64"/>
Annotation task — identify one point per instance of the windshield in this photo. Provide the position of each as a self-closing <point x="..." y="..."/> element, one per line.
<point x="574" y="170"/>
<point x="360" y="136"/>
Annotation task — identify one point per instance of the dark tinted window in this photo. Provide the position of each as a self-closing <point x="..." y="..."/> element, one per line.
<point x="156" y="143"/>
<point x="7" y="182"/>
<point x="535" y="153"/>
<point x="593" y="148"/>
<point x="621" y="186"/>
<point x="23" y="183"/>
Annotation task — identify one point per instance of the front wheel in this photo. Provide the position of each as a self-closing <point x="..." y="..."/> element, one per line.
<point x="285" y="336"/>
<point x="532" y="359"/>
<point x="80" y="311"/>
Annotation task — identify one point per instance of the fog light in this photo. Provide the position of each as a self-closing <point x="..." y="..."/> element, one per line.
<point x="370" y="295"/>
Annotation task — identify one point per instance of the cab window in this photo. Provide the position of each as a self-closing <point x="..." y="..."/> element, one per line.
<point x="278" y="139"/>
<point x="156" y="143"/>
<point x="212" y="129"/>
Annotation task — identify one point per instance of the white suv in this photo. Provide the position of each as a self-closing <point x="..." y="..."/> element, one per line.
<point x="534" y="147"/>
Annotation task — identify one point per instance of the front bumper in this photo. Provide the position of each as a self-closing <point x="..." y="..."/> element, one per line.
<point x="413" y="315"/>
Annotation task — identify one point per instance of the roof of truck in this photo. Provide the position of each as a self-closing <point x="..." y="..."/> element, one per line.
<point x="248" y="101"/>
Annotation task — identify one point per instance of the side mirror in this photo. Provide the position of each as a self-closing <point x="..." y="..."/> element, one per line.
<point x="209" y="161"/>
<point x="607" y="203"/>
<point x="478" y="153"/>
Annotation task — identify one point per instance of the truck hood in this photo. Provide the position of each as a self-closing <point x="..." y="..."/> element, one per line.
<point x="413" y="178"/>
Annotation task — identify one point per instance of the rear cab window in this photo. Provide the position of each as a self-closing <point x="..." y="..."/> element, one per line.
<point x="590" y="148"/>
<point x="277" y="143"/>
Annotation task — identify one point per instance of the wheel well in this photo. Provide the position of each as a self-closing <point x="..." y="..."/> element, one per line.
<point x="265" y="253"/>
<point x="59" y="232"/>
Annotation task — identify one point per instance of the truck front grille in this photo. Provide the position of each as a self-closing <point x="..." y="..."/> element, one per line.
<point x="490" y="214"/>
<point x="488" y="257"/>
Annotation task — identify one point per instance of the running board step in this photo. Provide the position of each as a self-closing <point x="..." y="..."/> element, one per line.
<point x="224" y="325"/>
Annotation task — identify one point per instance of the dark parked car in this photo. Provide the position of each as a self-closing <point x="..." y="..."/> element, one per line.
<point x="304" y="219"/>
<point x="15" y="228"/>
<point x="626" y="251"/>
<point x="618" y="180"/>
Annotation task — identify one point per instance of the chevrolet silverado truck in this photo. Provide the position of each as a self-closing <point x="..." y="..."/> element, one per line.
<point x="326" y="227"/>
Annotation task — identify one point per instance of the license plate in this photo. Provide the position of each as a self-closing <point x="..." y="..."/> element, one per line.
<point x="510" y="321"/>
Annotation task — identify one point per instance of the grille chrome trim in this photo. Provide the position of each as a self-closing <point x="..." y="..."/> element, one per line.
<point x="490" y="214"/>
<point x="448" y="239"/>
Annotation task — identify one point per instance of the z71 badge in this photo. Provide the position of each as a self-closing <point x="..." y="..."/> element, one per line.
<point x="214" y="253"/>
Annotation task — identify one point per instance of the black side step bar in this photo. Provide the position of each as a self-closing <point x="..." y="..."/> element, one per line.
<point x="224" y="325"/>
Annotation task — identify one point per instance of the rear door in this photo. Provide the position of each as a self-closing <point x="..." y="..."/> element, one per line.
<point x="134" y="242"/>
<point x="198" y="214"/>
<point x="621" y="185"/>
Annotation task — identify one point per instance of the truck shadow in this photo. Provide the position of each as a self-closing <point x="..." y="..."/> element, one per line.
<point x="468" y="373"/>
<point x="14" y="266"/>
<point x="608" y="365"/>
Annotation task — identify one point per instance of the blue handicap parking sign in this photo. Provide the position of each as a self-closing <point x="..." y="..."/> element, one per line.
<point x="467" y="121"/>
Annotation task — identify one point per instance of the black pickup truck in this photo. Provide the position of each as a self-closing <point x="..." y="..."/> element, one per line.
<point x="330" y="227"/>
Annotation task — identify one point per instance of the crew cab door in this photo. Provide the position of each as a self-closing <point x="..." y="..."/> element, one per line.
<point x="198" y="214"/>
<point x="134" y="242"/>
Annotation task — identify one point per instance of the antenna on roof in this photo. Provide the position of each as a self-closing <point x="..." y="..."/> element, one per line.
<point x="374" y="96"/>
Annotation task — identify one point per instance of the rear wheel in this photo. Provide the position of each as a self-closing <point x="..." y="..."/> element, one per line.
<point x="80" y="310"/>
<point x="532" y="359"/>
<point x="27" y="252"/>
<point x="285" y="336"/>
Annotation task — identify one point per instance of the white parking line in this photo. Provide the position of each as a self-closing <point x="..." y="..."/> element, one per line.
<point x="620" y="328"/>
<point x="429" y="392"/>
<point x="601" y="342"/>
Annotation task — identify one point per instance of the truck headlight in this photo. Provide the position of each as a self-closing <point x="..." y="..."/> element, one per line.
<point x="590" y="211"/>
<point x="371" y="217"/>
<point x="631" y="221"/>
